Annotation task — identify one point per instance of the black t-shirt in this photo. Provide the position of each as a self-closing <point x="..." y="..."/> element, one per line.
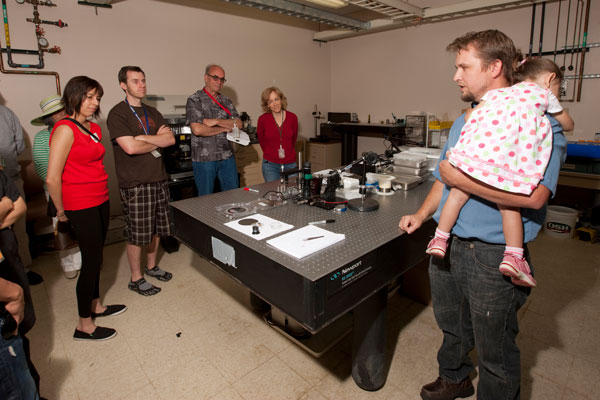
<point x="11" y="267"/>
<point x="134" y="170"/>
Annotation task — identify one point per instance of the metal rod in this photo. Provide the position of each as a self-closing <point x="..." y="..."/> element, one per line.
<point x="568" y="51"/>
<point x="584" y="76"/>
<point x="566" y="36"/>
<point x="588" y="45"/>
<point x="557" y="28"/>
<point x="19" y="51"/>
<point x="574" y="31"/>
<point x="585" y="31"/>
<point x="542" y="28"/>
<point x="532" y="30"/>
<point x="578" y="44"/>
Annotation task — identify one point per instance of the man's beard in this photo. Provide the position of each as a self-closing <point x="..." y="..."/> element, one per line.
<point x="468" y="97"/>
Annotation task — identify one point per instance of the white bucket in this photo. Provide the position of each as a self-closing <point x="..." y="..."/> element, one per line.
<point x="560" y="222"/>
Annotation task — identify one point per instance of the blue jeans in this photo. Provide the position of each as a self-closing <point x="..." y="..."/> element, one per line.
<point x="205" y="173"/>
<point x="272" y="171"/>
<point x="476" y="306"/>
<point x="16" y="382"/>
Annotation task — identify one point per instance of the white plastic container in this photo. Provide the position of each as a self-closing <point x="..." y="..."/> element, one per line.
<point x="432" y="155"/>
<point x="410" y="160"/>
<point x="560" y="222"/>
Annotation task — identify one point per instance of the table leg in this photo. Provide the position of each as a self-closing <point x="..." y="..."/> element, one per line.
<point x="349" y="147"/>
<point x="369" y="369"/>
<point x="258" y="304"/>
<point x="345" y="149"/>
<point x="353" y="147"/>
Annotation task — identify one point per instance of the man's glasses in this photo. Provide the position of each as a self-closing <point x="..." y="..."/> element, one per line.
<point x="218" y="78"/>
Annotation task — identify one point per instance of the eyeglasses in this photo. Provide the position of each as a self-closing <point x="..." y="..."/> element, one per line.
<point x="218" y="78"/>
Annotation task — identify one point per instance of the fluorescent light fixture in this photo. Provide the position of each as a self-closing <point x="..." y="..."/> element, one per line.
<point x="330" y="3"/>
<point x="96" y="3"/>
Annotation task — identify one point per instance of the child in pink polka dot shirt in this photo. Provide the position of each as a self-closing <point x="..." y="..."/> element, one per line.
<point x="506" y="143"/>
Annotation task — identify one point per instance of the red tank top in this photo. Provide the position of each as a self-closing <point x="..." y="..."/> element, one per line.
<point x="84" y="179"/>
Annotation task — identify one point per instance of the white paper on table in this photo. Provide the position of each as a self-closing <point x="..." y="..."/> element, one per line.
<point x="294" y="243"/>
<point x="267" y="226"/>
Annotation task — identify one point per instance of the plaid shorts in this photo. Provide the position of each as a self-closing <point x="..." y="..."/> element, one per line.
<point x="146" y="209"/>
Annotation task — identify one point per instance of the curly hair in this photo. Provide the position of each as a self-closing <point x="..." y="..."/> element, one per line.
<point x="491" y="45"/>
<point x="264" y="98"/>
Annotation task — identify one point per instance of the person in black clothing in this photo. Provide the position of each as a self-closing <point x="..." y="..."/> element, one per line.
<point x="12" y="208"/>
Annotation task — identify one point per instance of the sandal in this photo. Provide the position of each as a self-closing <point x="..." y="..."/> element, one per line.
<point x="158" y="273"/>
<point x="144" y="288"/>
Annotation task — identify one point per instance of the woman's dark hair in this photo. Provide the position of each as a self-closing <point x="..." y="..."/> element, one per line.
<point x="75" y="92"/>
<point x="532" y="67"/>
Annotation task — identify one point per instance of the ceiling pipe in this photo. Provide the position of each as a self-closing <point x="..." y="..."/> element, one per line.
<point x="9" y="59"/>
<point x="19" y="72"/>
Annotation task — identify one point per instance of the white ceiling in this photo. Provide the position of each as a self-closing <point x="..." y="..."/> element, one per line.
<point x="362" y="17"/>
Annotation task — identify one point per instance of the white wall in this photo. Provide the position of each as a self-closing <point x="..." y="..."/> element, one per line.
<point x="409" y="69"/>
<point x="172" y="43"/>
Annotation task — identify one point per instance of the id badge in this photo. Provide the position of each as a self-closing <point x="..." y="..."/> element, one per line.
<point x="235" y="132"/>
<point x="155" y="153"/>
<point x="281" y="152"/>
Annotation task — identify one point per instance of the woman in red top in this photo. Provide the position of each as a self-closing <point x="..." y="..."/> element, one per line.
<point x="277" y="131"/>
<point x="78" y="185"/>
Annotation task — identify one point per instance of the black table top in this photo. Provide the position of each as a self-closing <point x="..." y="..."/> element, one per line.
<point x="364" y="231"/>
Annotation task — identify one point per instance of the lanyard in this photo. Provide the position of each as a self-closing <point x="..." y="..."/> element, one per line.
<point x="280" y="128"/>
<point x="92" y="135"/>
<point x="219" y="104"/>
<point x="147" y="127"/>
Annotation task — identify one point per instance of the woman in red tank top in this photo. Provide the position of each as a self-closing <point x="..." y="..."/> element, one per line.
<point x="78" y="185"/>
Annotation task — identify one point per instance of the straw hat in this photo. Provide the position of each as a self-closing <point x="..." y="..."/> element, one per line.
<point x="49" y="105"/>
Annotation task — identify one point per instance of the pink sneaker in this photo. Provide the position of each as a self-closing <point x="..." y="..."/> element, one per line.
<point x="518" y="270"/>
<point x="437" y="247"/>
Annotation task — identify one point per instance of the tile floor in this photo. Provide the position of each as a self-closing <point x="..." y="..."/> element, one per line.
<point x="200" y="339"/>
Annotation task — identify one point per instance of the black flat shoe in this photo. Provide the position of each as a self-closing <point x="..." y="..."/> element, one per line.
<point x="99" y="334"/>
<point x="113" y="309"/>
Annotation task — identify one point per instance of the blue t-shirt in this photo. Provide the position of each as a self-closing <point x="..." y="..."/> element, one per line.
<point x="481" y="219"/>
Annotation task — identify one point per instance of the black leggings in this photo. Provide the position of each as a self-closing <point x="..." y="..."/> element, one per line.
<point x="90" y="226"/>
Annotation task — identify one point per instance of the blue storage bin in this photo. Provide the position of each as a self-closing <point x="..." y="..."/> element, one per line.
<point x="589" y="150"/>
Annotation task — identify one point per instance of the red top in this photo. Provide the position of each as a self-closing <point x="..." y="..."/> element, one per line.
<point x="84" y="180"/>
<point x="269" y="138"/>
